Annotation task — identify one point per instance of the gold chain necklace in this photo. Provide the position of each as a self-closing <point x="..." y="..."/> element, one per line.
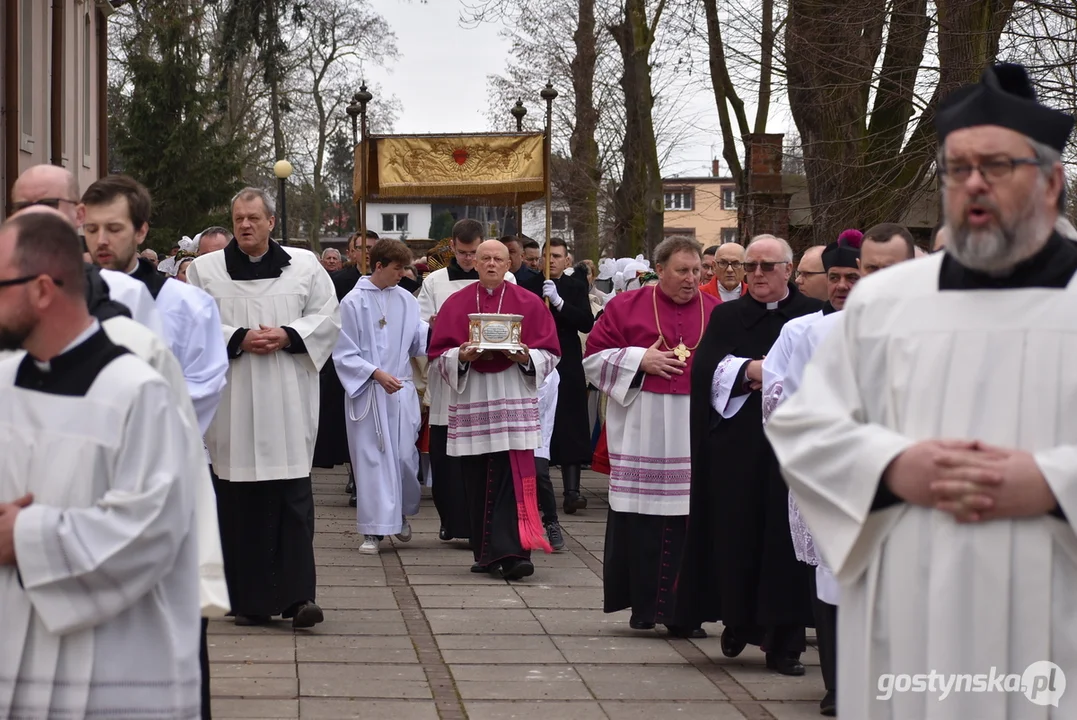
<point x="681" y="351"/>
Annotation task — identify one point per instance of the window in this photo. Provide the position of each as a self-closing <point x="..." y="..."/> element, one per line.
<point x="729" y="235"/>
<point x="679" y="200"/>
<point x="26" y="60"/>
<point x="87" y="105"/>
<point x="559" y="221"/>
<point x="394" y="222"/>
<point x="729" y="197"/>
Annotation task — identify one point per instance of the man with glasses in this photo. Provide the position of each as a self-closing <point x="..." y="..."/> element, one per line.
<point x="710" y="266"/>
<point x="739" y="565"/>
<point x="52" y="186"/>
<point x="728" y="281"/>
<point x="811" y="275"/>
<point x="448" y="490"/>
<point x="931" y="446"/>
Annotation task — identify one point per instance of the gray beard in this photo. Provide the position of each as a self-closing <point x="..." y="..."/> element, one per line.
<point x="997" y="251"/>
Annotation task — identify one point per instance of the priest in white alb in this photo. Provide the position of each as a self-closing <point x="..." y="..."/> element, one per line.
<point x="380" y="332"/>
<point x="932" y="445"/>
<point x="493" y="412"/>
<point x="98" y="549"/>
<point x="280" y="320"/>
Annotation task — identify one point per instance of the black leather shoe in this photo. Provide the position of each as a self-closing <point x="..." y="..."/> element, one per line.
<point x="479" y="568"/>
<point x="640" y="624"/>
<point x="350" y="487"/>
<point x="731" y="646"/>
<point x="444" y="536"/>
<point x="785" y="665"/>
<point x="517" y="569"/>
<point x="828" y="706"/>
<point x="353" y="501"/>
<point x="679" y="631"/>
<point x="252" y="620"/>
<point x="307" y="615"/>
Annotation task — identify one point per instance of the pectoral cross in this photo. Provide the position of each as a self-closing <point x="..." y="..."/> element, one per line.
<point x="682" y="352"/>
<point x="382" y="322"/>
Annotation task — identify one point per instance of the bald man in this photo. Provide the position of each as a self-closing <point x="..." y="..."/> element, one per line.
<point x="54" y="187"/>
<point x="811" y="277"/>
<point x="728" y="281"/>
<point x="493" y="411"/>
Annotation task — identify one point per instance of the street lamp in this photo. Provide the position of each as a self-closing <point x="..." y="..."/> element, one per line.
<point x="519" y="111"/>
<point x="282" y="169"/>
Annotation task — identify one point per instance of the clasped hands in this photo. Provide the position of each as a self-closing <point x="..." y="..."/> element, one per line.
<point x="470" y="352"/>
<point x="265" y="340"/>
<point x="971" y="480"/>
<point x="8" y="513"/>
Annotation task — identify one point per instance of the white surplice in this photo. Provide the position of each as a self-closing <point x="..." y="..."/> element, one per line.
<point x="267" y="421"/>
<point x="492" y="411"/>
<point x="152" y="350"/>
<point x="382" y="428"/>
<point x="134" y="295"/>
<point x="920" y="593"/>
<point x="192" y="327"/>
<point x="101" y="618"/>
<point x="650" y="453"/>
<point x="547" y="399"/>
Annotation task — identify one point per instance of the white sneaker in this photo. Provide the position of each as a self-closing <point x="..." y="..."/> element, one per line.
<point x="369" y="546"/>
<point x="405" y="532"/>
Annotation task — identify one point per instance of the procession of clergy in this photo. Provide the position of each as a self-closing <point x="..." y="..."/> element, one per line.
<point x="905" y="449"/>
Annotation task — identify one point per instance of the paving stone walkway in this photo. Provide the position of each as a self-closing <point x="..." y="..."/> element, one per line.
<point x="411" y="634"/>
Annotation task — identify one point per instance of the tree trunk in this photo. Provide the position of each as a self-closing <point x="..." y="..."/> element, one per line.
<point x="585" y="177"/>
<point x="638" y="201"/>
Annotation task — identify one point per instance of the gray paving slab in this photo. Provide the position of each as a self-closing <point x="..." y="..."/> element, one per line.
<point x="411" y="634"/>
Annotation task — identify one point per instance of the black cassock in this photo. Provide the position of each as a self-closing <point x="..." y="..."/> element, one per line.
<point x="331" y="445"/>
<point x="571" y="443"/>
<point x="739" y="565"/>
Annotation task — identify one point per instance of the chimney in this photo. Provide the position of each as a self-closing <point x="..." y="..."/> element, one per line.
<point x="716" y="168"/>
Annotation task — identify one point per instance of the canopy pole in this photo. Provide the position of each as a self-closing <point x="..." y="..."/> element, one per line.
<point x="548" y="94"/>
<point x="363" y="96"/>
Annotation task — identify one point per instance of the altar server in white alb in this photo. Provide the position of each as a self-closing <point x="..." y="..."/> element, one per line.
<point x="98" y="554"/>
<point x="116" y="220"/>
<point x="380" y="333"/>
<point x="932" y="445"/>
<point x="280" y="320"/>
<point x="54" y="187"/>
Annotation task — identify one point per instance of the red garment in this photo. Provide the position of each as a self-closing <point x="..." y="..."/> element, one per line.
<point x="628" y="321"/>
<point x="711" y="288"/>
<point x="452" y="327"/>
<point x="600" y="463"/>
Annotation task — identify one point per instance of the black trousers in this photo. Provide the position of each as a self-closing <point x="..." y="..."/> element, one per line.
<point x="546" y="498"/>
<point x="447" y="485"/>
<point x="826" y="634"/>
<point x="204" y="656"/>
<point x="267" y="538"/>
<point x="495" y="533"/>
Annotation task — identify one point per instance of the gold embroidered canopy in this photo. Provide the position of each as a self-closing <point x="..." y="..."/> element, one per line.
<point x="480" y="169"/>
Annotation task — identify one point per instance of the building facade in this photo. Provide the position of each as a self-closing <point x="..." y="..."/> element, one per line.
<point x="54" y="84"/>
<point x="704" y="208"/>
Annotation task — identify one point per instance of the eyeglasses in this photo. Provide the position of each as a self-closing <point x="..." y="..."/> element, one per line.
<point x="53" y="203"/>
<point x="28" y="278"/>
<point x="750" y="267"/>
<point x="726" y="264"/>
<point x="809" y="273"/>
<point x="990" y="170"/>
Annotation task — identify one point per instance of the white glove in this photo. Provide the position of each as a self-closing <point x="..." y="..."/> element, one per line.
<point x="549" y="290"/>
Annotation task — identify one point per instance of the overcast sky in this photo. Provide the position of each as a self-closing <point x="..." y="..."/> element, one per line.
<point x="440" y="79"/>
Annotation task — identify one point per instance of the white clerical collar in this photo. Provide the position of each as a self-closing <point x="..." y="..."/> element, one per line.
<point x="259" y="258"/>
<point x="727" y="295"/>
<point x="491" y="291"/>
<point x="82" y="337"/>
<point x="774" y="305"/>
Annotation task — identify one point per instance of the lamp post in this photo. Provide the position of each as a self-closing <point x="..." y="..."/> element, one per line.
<point x="282" y="169"/>
<point x="519" y="111"/>
<point x="549" y="95"/>
<point x="357" y="112"/>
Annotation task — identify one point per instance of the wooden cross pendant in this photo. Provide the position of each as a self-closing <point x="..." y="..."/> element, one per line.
<point x="382" y="322"/>
<point x="682" y="352"/>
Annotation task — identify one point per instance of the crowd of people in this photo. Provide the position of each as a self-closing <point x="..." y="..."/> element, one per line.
<point x="873" y="444"/>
